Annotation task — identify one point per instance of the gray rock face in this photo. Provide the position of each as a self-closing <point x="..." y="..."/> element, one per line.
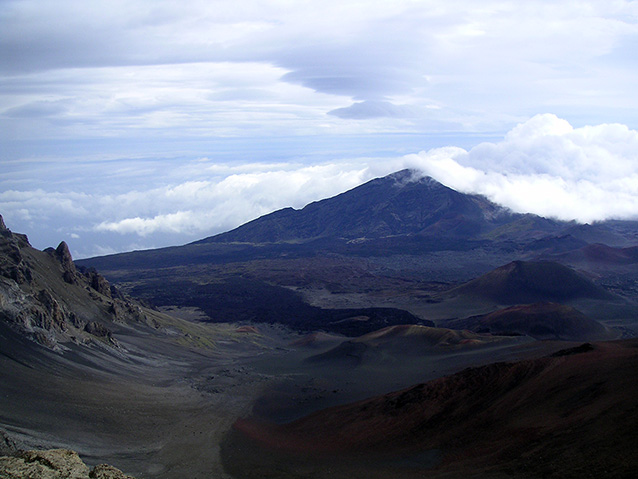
<point x="8" y="445"/>
<point x="45" y="297"/>
<point x="13" y="266"/>
<point x="50" y="315"/>
<point x="54" y="464"/>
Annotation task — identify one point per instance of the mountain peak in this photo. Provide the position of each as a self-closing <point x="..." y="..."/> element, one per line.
<point x="410" y="177"/>
<point x="403" y="203"/>
<point x="405" y="176"/>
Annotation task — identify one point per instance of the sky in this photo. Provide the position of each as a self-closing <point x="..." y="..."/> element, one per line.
<point x="147" y="123"/>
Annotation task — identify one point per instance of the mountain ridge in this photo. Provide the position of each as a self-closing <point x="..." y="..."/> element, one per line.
<point x="403" y="203"/>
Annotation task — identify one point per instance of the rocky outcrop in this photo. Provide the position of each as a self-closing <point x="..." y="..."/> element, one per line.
<point x="97" y="329"/>
<point x="44" y="296"/>
<point x="64" y="256"/>
<point x="50" y="315"/>
<point x="104" y="471"/>
<point x="54" y="464"/>
<point x="13" y="266"/>
<point x="98" y="283"/>
<point x="8" y="445"/>
<point x="123" y="311"/>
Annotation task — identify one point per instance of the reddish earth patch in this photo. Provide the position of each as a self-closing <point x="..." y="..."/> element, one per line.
<point x="569" y="415"/>
<point x="540" y="321"/>
<point x="531" y="282"/>
<point x="247" y="329"/>
<point x="314" y="339"/>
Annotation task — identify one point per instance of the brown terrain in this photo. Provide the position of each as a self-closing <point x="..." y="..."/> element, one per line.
<point x="540" y="321"/>
<point x="571" y="414"/>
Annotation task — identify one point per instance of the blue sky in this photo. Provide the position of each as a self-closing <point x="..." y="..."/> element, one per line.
<point x="136" y="124"/>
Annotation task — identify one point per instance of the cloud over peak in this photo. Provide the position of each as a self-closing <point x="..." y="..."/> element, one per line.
<point x="543" y="166"/>
<point x="547" y="167"/>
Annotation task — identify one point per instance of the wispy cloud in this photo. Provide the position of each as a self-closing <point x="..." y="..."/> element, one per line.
<point x="374" y="109"/>
<point x="202" y="68"/>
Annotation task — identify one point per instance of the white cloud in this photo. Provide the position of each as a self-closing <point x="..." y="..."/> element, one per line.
<point x="547" y="167"/>
<point x="176" y="100"/>
<point x="172" y="223"/>
<point x="217" y="205"/>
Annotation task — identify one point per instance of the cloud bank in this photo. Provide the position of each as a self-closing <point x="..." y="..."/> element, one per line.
<point x="218" y="205"/>
<point x="547" y="167"/>
<point x="543" y="166"/>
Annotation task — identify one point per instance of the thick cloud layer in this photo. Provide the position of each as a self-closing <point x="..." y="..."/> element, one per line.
<point x="547" y="167"/>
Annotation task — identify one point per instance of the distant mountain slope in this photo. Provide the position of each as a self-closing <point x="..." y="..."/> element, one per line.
<point x="540" y="321"/>
<point x="401" y="343"/>
<point x="601" y="255"/>
<point x="532" y="282"/>
<point x="403" y="203"/>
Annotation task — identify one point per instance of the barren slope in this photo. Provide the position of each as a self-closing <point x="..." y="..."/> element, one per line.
<point x="573" y="414"/>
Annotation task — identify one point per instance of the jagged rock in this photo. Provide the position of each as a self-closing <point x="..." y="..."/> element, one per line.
<point x="54" y="464"/>
<point x="36" y="302"/>
<point x="116" y="293"/>
<point x="99" y="283"/>
<point x="2" y="225"/>
<point x="104" y="471"/>
<point x="52" y="316"/>
<point x="116" y="310"/>
<point x="22" y="240"/>
<point x="64" y="256"/>
<point x="77" y="322"/>
<point x="8" y="445"/>
<point x="124" y="310"/>
<point x="69" y="277"/>
<point x="97" y="329"/>
<point x="12" y="266"/>
<point x="19" y="273"/>
<point x="45" y="339"/>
